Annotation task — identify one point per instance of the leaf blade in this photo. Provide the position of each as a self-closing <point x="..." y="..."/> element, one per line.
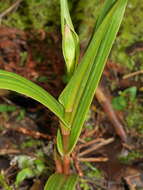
<point x="14" y="82"/>
<point x="61" y="181"/>
<point x="77" y="99"/>
<point x="106" y="7"/>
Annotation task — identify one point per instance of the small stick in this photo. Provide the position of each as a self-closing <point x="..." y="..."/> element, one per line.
<point x="5" y="151"/>
<point x="91" y="142"/>
<point x="90" y="133"/>
<point x="132" y="74"/>
<point x="7" y="11"/>
<point x="95" y="147"/>
<point x="107" y="106"/>
<point x="76" y="164"/>
<point x="129" y="147"/>
<point x="81" y="141"/>
<point x="100" y="159"/>
<point x="34" y="134"/>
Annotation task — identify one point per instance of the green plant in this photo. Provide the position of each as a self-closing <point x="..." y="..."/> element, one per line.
<point x="74" y="101"/>
<point x="29" y="168"/>
<point x="125" y="97"/>
<point x="3" y="182"/>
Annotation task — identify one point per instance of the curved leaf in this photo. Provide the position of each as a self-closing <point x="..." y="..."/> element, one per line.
<point x="14" y="82"/>
<point x="61" y="182"/>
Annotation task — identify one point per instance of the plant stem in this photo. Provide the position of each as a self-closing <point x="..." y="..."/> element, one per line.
<point x="65" y="133"/>
<point x="66" y="158"/>
<point x="66" y="164"/>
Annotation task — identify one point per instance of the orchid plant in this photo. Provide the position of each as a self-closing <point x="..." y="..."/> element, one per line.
<point x="75" y="100"/>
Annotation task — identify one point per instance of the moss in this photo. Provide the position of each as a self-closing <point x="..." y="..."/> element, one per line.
<point x="131" y="157"/>
<point x="32" y="14"/>
<point x="134" y="117"/>
<point x="131" y="32"/>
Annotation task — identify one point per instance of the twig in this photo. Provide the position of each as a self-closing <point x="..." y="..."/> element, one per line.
<point x="78" y="168"/>
<point x="7" y="11"/>
<point x="28" y="132"/>
<point x="76" y="164"/>
<point x="132" y="74"/>
<point x="107" y="106"/>
<point x="91" y="142"/>
<point x="100" y="159"/>
<point x="9" y="151"/>
<point x="81" y="140"/>
<point x="127" y="146"/>
<point x="95" y="147"/>
<point x="90" y="133"/>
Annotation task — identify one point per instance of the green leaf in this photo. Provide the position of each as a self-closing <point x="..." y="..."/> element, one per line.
<point x="61" y="182"/>
<point x="70" y="40"/>
<point x="106" y="8"/>
<point x="119" y="103"/>
<point x="40" y="166"/>
<point x="3" y="182"/>
<point x="78" y="94"/>
<point x="22" y="175"/>
<point x="14" y="82"/>
<point x="7" y="108"/>
<point x="128" y="95"/>
<point x="131" y="92"/>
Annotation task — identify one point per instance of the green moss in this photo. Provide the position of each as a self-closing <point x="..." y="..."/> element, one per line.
<point x="32" y="14"/>
<point x="131" y="157"/>
<point x="131" y="32"/>
<point x="134" y="117"/>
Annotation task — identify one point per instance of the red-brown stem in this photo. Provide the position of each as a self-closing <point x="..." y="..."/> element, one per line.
<point x="59" y="167"/>
<point x="66" y="165"/>
<point x="63" y="162"/>
<point x="58" y="162"/>
<point x="66" y="158"/>
<point x="65" y="142"/>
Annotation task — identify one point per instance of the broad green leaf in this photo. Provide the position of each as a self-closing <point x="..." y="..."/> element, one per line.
<point x="70" y="40"/>
<point x="78" y="95"/>
<point x="61" y="182"/>
<point x="14" y="82"/>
